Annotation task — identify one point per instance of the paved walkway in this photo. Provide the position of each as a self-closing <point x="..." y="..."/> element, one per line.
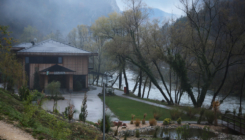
<point x="94" y="104"/>
<point x="120" y="93"/>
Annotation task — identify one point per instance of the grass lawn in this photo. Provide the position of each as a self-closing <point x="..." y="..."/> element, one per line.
<point x="183" y="108"/>
<point x="123" y="108"/>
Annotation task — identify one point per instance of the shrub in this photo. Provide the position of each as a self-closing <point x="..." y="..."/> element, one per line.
<point x="167" y="121"/>
<point x="137" y="122"/>
<point x="191" y="112"/>
<point x="132" y="121"/>
<point x="227" y="111"/>
<point x="143" y="121"/>
<point x="201" y="114"/>
<point x="53" y="88"/>
<point x="37" y="95"/>
<point x="107" y="123"/>
<point x="152" y="122"/>
<point x="77" y="86"/>
<point x="84" y="113"/>
<point x="175" y="113"/>
<point x="137" y="133"/>
<point x="209" y="115"/>
<point x="69" y="111"/>
<point x="10" y="85"/>
<point x="215" y="106"/>
<point x="24" y="93"/>
<point x="110" y="92"/>
<point x="179" y="120"/>
<point x="157" y="113"/>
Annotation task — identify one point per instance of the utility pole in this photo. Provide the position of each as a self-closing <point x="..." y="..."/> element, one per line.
<point x="104" y="112"/>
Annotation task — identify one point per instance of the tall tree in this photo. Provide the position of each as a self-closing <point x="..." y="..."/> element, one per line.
<point x="10" y="68"/>
<point x="216" y="35"/>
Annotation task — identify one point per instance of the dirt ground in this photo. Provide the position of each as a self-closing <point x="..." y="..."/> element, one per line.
<point x="10" y="132"/>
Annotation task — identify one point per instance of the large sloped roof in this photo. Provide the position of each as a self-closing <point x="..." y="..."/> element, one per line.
<point x="51" y="47"/>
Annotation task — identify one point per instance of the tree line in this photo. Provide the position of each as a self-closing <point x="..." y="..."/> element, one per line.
<point x="203" y="49"/>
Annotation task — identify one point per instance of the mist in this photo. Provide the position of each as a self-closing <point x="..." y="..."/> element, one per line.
<point x="52" y="15"/>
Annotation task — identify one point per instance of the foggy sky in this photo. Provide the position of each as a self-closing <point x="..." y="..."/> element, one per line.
<point x="169" y="6"/>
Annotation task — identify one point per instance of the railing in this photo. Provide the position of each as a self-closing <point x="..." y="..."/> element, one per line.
<point x="234" y="122"/>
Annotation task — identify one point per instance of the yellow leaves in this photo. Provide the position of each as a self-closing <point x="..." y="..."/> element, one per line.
<point x="9" y="66"/>
<point x="215" y="105"/>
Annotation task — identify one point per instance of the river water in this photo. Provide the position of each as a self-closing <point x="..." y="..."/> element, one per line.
<point x="230" y="102"/>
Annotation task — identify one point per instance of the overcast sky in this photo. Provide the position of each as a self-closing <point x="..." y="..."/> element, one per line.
<point x="169" y="6"/>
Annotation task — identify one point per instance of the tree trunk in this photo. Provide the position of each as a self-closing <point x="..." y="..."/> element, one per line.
<point x="126" y="80"/>
<point x="170" y="81"/>
<point x="140" y="82"/>
<point x="114" y="81"/>
<point x="120" y="79"/>
<point x="102" y="80"/>
<point x="163" y="81"/>
<point x="144" y="87"/>
<point x="136" y="84"/>
<point x="240" y="109"/>
<point x="98" y="75"/>
<point x="203" y="93"/>
<point x="149" y="90"/>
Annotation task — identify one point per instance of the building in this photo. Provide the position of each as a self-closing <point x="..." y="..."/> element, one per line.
<point x="55" y="61"/>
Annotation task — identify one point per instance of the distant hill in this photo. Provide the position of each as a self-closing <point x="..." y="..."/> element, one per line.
<point x="161" y="15"/>
<point x="52" y="15"/>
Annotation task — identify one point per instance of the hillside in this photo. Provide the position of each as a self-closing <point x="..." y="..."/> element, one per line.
<point x="51" y="15"/>
<point x="39" y="123"/>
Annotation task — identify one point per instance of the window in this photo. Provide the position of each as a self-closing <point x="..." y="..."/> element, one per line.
<point x="44" y="60"/>
<point x="27" y="60"/>
<point x="60" y="60"/>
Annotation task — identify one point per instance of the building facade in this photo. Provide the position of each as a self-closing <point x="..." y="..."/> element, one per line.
<point x="55" y="61"/>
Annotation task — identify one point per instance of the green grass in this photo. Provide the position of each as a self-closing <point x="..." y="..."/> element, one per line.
<point x="123" y="108"/>
<point x="182" y="108"/>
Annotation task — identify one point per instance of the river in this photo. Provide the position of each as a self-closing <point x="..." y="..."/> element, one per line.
<point x="231" y="102"/>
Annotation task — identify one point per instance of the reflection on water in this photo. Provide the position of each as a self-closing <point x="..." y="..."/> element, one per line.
<point x="172" y="133"/>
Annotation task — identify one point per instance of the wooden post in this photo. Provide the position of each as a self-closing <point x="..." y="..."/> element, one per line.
<point x="87" y="81"/>
<point x="70" y="83"/>
<point x="45" y="81"/>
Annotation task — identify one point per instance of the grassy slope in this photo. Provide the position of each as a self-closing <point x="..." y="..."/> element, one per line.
<point x="41" y="124"/>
